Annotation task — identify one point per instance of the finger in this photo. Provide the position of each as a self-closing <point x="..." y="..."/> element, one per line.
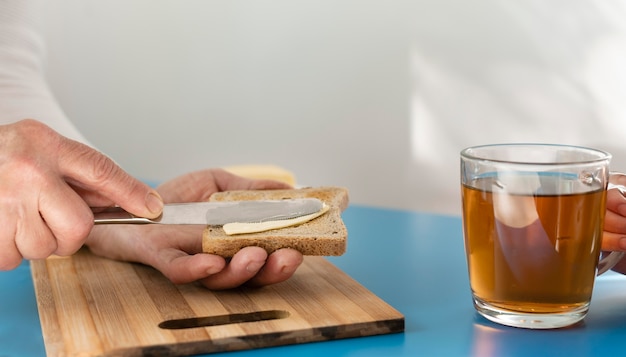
<point x="280" y="266"/>
<point x="180" y="267"/>
<point x="616" y="202"/>
<point x="190" y="187"/>
<point x="227" y="181"/>
<point x="33" y="238"/>
<point x="614" y="222"/>
<point x="613" y="241"/>
<point x="92" y="198"/>
<point x="10" y="256"/>
<point x="91" y="170"/>
<point x="67" y="216"/>
<point x="23" y="233"/>
<point x="268" y="185"/>
<point x="243" y="266"/>
<point x="170" y="249"/>
<point x="200" y="185"/>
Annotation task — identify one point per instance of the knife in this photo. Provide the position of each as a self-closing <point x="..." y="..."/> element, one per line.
<point x="215" y="213"/>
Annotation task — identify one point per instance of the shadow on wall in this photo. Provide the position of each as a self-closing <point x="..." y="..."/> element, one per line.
<point x="500" y="72"/>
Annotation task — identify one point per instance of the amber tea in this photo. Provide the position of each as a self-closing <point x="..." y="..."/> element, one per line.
<point x="543" y="263"/>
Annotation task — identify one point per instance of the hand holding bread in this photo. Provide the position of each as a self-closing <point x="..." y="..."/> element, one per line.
<point x="176" y="251"/>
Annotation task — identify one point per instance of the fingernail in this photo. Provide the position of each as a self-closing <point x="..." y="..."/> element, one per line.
<point x="288" y="269"/>
<point x="213" y="270"/>
<point x="255" y="266"/>
<point x="154" y="202"/>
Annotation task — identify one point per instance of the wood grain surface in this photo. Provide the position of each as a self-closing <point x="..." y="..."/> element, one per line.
<point x="91" y="306"/>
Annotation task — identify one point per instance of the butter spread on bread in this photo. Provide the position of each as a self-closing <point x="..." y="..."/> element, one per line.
<point x="325" y="235"/>
<point x="255" y="227"/>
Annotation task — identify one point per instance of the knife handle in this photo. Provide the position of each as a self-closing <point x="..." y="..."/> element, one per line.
<point x="116" y="215"/>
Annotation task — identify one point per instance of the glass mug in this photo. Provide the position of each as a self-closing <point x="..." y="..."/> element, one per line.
<point x="533" y="216"/>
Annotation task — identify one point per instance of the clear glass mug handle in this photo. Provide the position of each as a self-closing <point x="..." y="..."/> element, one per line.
<point x="609" y="261"/>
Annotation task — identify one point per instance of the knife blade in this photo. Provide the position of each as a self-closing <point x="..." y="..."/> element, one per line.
<point x="215" y="213"/>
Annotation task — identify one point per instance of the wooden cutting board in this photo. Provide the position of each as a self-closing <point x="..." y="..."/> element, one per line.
<point x="91" y="306"/>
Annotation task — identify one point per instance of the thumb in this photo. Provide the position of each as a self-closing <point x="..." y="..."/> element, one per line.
<point x="90" y="170"/>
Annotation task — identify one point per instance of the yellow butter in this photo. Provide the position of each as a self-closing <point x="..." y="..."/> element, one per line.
<point x="245" y="228"/>
<point x="269" y="172"/>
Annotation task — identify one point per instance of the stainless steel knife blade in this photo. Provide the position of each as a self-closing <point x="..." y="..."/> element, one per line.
<point x="215" y="213"/>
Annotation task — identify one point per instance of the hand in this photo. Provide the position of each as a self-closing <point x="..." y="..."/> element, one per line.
<point x="614" y="236"/>
<point x="48" y="183"/>
<point x="176" y="251"/>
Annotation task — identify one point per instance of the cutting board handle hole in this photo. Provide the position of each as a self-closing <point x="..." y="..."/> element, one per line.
<point x="227" y="319"/>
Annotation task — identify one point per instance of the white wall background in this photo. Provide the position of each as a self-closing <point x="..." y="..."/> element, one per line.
<point x="377" y="96"/>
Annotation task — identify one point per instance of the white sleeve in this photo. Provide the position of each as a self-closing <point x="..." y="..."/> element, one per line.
<point x="24" y="93"/>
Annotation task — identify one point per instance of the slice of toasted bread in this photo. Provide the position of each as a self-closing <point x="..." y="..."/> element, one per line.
<point x="325" y="235"/>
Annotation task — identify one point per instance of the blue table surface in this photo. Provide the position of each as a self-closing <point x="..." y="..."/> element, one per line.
<point x="415" y="262"/>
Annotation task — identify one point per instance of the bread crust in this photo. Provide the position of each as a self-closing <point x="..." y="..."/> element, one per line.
<point x="325" y="235"/>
